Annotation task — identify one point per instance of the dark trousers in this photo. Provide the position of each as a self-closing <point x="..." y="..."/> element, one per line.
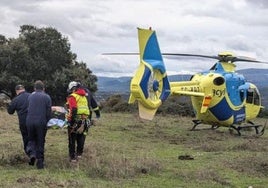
<point x="76" y="143"/>
<point x="24" y="134"/>
<point x="36" y="135"/>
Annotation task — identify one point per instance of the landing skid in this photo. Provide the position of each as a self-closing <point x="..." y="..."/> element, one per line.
<point x="198" y="122"/>
<point x="259" y="129"/>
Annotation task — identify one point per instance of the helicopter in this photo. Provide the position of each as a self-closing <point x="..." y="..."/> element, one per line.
<point x="220" y="96"/>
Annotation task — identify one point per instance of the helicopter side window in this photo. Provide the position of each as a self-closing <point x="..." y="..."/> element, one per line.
<point x="256" y="98"/>
<point x="213" y="67"/>
<point x="242" y="95"/>
<point x="253" y="97"/>
<point x="250" y="96"/>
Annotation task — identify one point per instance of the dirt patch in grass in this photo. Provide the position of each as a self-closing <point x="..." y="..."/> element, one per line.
<point x="11" y="159"/>
<point x="205" y="175"/>
<point x="205" y="140"/>
<point x="256" y="166"/>
<point x="255" y="145"/>
<point x="111" y="162"/>
<point x="36" y="182"/>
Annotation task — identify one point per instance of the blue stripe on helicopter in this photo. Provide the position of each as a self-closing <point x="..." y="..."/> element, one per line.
<point x="144" y="81"/>
<point x="159" y="65"/>
<point x="166" y="89"/>
<point x="239" y="115"/>
<point x="222" y="112"/>
<point x="152" y="56"/>
<point x="152" y="50"/>
<point x="144" y="85"/>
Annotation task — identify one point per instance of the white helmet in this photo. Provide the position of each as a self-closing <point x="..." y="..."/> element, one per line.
<point x="73" y="84"/>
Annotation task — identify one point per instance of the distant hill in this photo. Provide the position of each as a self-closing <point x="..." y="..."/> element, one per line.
<point x="121" y="84"/>
<point x="109" y="85"/>
<point x="257" y="76"/>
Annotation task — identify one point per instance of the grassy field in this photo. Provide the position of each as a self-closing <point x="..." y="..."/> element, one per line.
<point x="124" y="151"/>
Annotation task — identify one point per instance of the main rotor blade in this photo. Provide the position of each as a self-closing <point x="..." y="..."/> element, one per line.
<point x="191" y="55"/>
<point x="122" y="53"/>
<point x="220" y="58"/>
<point x="248" y="59"/>
<point x="165" y="54"/>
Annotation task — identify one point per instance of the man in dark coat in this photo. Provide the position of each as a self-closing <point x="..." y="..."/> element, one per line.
<point x="92" y="103"/>
<point x="39" y="113"/>
<point x="20" y="105"/>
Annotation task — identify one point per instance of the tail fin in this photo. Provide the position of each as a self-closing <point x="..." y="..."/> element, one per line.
<point x="150" y="85"/>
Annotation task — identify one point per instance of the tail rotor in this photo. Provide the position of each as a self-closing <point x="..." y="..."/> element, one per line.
<point x="150" y="85"/>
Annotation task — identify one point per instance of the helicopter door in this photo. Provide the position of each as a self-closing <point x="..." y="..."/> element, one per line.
<point x="253" y="102"/>
<point x="253" y="96"/>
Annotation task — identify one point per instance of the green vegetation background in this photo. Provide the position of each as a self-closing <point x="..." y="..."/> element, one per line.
<point x="41" y="54"/>
<point x="125" y="151"/>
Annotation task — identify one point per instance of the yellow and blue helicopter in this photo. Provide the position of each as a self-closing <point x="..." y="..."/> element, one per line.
<point x="219" y="96"/>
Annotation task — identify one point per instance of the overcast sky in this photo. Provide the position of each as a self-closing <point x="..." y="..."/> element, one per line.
<point x="94" y="27"/>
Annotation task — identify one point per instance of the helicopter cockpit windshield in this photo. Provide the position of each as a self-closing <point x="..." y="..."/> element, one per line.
<point x="253" y="96"/>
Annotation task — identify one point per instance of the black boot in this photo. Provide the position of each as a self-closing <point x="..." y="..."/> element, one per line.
<point x="32" y="161"/>
<point x="40" y="164"/>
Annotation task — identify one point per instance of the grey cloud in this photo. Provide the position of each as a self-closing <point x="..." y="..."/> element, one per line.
<point x="260" y="3"/>
<point x="20" y="6"/>
<point x="247" y="13"/>
<point x="97" y="26"/>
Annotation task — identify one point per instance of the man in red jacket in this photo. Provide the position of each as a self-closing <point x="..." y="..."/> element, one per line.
<point x="78" y="120"/>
